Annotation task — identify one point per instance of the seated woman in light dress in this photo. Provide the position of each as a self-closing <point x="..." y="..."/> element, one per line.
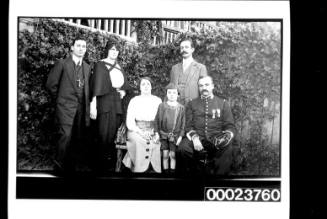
<point x="143" y="146"/>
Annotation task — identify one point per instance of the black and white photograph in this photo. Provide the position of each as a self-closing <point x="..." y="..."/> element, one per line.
<point x="170" y="109"/>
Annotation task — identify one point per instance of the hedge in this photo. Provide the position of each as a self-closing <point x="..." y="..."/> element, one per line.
<point x="244" y="58"/>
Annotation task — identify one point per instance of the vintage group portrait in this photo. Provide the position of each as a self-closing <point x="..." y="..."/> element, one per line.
<point x="127" y="100"/>
<point x="171" y="97"/>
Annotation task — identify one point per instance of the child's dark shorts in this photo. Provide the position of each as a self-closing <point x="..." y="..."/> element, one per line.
<point x="167" y="145"/>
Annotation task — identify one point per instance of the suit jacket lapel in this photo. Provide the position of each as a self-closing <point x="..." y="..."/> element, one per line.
<point x="179" y="72"/>
<point x="180" y="68"/>
<point x="85" y="70"/>
<point x="71" y="75"/>
<point x="191" y="73"/>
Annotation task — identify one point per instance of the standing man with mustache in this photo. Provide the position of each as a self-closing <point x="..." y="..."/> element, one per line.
<point x="209" y="131"/>
<point x="187" y="73"/>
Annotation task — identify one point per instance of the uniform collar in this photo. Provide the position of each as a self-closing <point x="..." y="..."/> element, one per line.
<point x="208" y="97"/>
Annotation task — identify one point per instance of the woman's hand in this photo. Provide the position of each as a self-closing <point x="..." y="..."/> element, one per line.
<point x="144" y="134"/>
<point x="147" y="135"/>
<point x="93" y="109"/>
<point x="122" y="93"/>
<point x="156" y="138"/>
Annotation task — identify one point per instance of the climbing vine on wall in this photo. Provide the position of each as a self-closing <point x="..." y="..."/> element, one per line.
<point x="244" y="59"/>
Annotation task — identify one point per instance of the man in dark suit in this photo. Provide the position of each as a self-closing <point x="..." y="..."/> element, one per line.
<point x="187" y="73"/>
<point x="68" y="82"/>
<point x="209" y="132"/>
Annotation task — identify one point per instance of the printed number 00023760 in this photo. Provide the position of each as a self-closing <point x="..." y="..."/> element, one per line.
<point x="242" y="194"/>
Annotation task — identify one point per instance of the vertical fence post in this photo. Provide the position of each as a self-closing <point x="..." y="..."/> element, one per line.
<point x="133" y="32"/>
<point x="98" y="24"/>
<point x="242" y="121"/>
<point x="272" y="125"/>
<point x="154" y="40"/>
<point x="106" y="23"/>
<point x="117" y="27"/>
<point x="111" y="29"/>
<point x="123" y="32"/>
<point x="128" y="31"/>
<point x="91" y="22"/>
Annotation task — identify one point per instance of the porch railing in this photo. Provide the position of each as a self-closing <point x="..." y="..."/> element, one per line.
<point x="122" y="28"/>
<point x="125" y="29"/>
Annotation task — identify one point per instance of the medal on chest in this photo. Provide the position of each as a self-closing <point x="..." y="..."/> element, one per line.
<point x="215" y="113"/>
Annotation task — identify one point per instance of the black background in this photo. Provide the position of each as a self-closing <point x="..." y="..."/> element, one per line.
<point x="4" y="6"/>
<point x="308" y="108"/>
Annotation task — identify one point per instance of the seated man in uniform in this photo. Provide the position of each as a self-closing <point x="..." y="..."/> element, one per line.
<point x="209" y="132"/>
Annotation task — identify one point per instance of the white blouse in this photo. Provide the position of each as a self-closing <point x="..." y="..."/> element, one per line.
<point x="141" y="108"/>
<point x="117" y="78"/>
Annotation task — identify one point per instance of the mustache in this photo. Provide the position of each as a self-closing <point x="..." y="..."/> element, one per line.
<point x="204" y="91"/>
<point x="183" y="52"/>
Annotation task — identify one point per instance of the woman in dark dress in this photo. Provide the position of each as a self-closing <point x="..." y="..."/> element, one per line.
<point x="108" y="90"/>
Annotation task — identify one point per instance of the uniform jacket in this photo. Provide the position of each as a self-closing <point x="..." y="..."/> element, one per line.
<point x="209" y="117"/>
<point x="195" y="71"/>
<point x="62" y="84"/>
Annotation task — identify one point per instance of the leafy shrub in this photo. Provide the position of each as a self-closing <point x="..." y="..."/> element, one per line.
<point x="242" y="57"/>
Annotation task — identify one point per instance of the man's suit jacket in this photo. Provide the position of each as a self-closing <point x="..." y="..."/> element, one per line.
<point x="62" y="84"/>
<point x="195" y="71"/>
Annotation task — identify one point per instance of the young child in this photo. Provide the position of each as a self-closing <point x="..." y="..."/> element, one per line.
<point x="170" y="125"/>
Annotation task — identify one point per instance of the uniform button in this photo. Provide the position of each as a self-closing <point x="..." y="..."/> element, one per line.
<point x="147" y="149"/>
<point x="146" y="157"/>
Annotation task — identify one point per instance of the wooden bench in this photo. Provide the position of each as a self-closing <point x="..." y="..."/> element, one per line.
<point x="121" y="150"/>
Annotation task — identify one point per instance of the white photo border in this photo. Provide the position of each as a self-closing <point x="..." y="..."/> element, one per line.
<point x="22" y="208"/>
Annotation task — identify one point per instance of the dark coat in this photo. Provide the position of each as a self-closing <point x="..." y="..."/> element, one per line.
<point x="108" y="99"/>
<point x="62" y="84"/>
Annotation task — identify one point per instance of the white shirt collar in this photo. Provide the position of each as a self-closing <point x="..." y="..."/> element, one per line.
<point x="186" y="62"/>
<point x="77" y="60"/>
